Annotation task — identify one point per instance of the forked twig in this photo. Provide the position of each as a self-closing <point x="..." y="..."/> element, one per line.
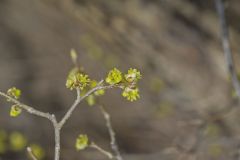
<point x="112" y="134"/>
<point x="57" y="125"/>
<point x="106" y="153"/>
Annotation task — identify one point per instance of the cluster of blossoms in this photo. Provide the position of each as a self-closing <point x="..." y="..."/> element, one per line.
<point x="15" y="109"/>
<point x="128" y="82"/>
<point x="76" y="79"/>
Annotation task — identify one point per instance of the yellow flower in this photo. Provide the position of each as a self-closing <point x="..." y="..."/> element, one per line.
<point x="114" y="76"/>
<point x="81" y="142"/>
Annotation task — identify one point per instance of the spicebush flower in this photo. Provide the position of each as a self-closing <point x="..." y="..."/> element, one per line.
<point x="15" y="111"/>
<point x="114" y="76"/>
<point x="131" y="94"/>
<point x="81" y="142"/>
<point x="14" y="92"/>
<point x="133" y="75"/>
<point x="77" y="80"/>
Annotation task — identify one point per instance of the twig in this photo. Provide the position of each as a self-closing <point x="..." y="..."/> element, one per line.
<point x="28" y="108"/>
<point x="108" y="154"/>
<point x="31" y="154"/>
<point x="79" y="99"/>
<point x="48" y="116"/>
<point x="228" y="53"/>
<point x="113" y="142"/>
<point x="226" y="46"/>
<point x="58" y="125"/>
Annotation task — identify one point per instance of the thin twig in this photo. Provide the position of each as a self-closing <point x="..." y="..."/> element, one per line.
<point x="58" y="125"/>
<point x="228" y="53"/>
<point x="112" y="134"/>
<point x="226" y="46"/>
<point x="79" y="99"/>
<point x="108" y="154"/>
<point x="29" y="109"/>
<point x="31" y="154"/>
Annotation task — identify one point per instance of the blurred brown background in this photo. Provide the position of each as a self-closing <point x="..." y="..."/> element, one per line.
<point x="186" y="110"/>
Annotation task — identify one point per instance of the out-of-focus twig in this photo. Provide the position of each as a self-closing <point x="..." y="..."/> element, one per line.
<point x="108" y="154"/>
<point x="226" y="45"/>
<point x="113" y="142"/>
<point x="228" y="53"/>
<point x="30" y="152"/>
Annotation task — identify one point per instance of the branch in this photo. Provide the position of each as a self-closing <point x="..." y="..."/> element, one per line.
<point x="30" y="152"/>
<point x="36" y="112"/>
<point x="226" y="46"/>
<point x="108" y="154"/>
<point x="79" y="99"/>
<point x="29" y="109"/>
<point x="113" y="143"/>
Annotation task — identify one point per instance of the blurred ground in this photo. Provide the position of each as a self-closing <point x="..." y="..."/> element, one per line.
<point x="185" y="91"/>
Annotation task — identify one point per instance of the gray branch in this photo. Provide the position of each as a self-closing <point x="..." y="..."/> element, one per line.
<point x="56" y="125"/>
<point x="79" y="99"/>
<point x="112" y="134"/>
<point x="29" y="109"/>
<point x="228" y="53"/>
<point x="226" y="46"/>
<point x="101" y="150"/>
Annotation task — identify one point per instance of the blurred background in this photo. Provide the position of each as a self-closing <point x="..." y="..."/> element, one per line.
<point x="188" y="109"/>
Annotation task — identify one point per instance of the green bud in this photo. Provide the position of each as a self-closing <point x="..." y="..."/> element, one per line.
<point x="81" y="142"/>
<point x="73" y="55"/>
<point x="93" y="83"/>
<point x="99" y="92"/>
<point x="15" y="111"/>
<point x="14" y="92"/>
<point x="91" y="100"/>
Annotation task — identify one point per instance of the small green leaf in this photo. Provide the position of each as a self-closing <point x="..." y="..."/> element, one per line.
<point x="15" y="111"/>
<point x="91" y="100"/>
<point x="114" y="76"/>
<point x="99" y="92"/>
<point x="93" y="83"/>
<point x="14" y="92"/>
<point x="81" y="142"/>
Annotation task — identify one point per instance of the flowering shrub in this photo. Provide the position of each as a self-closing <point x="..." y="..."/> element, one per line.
<point x="88" y="89"/>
